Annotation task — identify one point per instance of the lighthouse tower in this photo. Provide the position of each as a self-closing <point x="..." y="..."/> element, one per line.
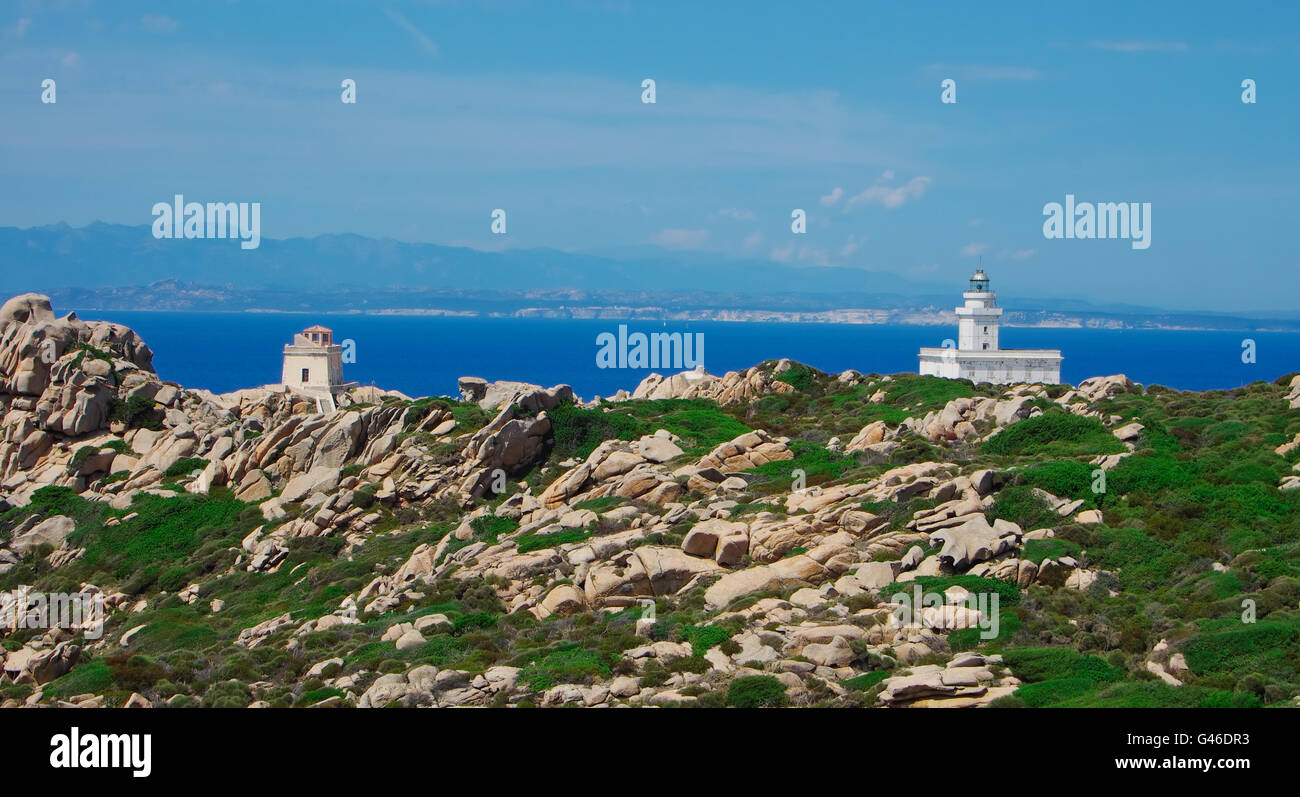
<point x="978" y="319"/>
<point x="977" y="356"/>
<point x="313" y="364"/>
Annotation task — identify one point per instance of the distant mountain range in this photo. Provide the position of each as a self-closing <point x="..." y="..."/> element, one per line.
<point x="102" y="254"/>
<point x="117" y="267"/>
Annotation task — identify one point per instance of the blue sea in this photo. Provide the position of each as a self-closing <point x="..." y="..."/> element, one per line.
<point x="421" y="355"/>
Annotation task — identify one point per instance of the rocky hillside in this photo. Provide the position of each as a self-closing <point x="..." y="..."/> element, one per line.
<point x="749" y="539"/>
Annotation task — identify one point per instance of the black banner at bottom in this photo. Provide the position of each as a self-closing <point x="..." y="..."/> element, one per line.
<point x="167" y="748"/>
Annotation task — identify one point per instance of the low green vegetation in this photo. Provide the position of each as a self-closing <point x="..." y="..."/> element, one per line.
<point x="1057" y="434"/>
<point x="1020" y="505"/>
<point x="697" y="422"/>
<point x="818" y="464"/>
<point x="755" y="691"/>
<point x="136" y="412"/>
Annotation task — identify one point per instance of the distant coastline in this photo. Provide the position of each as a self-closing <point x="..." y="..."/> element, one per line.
<point x="845" y="316"/>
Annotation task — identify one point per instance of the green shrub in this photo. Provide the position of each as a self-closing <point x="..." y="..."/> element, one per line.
<point x="1240" y="649"/>
<point x="703" y="637"/>
<point x="317" y="695"/>
<point x="866" y="681"/>
<point x="79" y="459"/>
<point x="1053" y="676"/>
<point x="698" y="422"/>
<point x="1047" y="664"/>
<point x="756" y="691"/>
<point x="227" y="694"/>
<point x="924" y="393"/>
<point x="1150" y="473"/>
<point x="1064" y="478"/>
<point x="700" y="428"/>
<point x="1054" y="432"/>
<point x="531" y="541"/>
<point x="137" y="412"/>
<point x="1048" y="693"/>
<point x="93" y="676"/>
<point x="1156" y="694"/>
<point x="489" y="528"/>
<point x="1049" y="548"/>
<point x="817" y="462"/>
<point x="185" y="467"/>
<point x="1021" y="506"/>
<point x="135" y="672"/>
<point x="578" y="431"/>
<point x="474" y="621"/>
<point x="798" y="376"/>
<point x="599" y="505"/>
<point x="442" y="650"/>
<point x="1009" y="624"/>
<point x="567" y="663"/>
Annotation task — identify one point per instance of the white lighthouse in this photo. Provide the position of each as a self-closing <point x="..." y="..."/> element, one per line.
<point x="977" y="356"/>
<point x="313" y="364"/>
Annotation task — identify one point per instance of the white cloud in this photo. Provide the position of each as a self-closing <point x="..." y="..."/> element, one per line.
<point x="971" y="250"/>
<point x="424" y="41"/>
<point x="833" y="196"/>
<point x="1139" y="46"/>
<point x="893" y="196"/>
<point x="850" y="246"/>
<point x="18" y="29"/>
<point x="753" y="240"/>
<point x="681" y="239"/>
<point x="71" y="60"/>
<point x="158" y="23"/>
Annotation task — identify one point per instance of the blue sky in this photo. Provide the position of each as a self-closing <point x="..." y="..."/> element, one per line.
<point x="762" y="107"/>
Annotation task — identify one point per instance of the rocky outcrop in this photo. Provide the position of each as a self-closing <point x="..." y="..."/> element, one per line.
<point x="966" y="681"/>
<point x="733" y="387"/>
<point x="964" y="418"/>
<point x="1293" y="393"/>
<point x="495" y="395"/>
<point x="975" y="541"/>
<point x="512" y="441"/>
<point x="797" y="569"/>
<point x="1104" y="387"/>
<point x="635" y="470"/>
